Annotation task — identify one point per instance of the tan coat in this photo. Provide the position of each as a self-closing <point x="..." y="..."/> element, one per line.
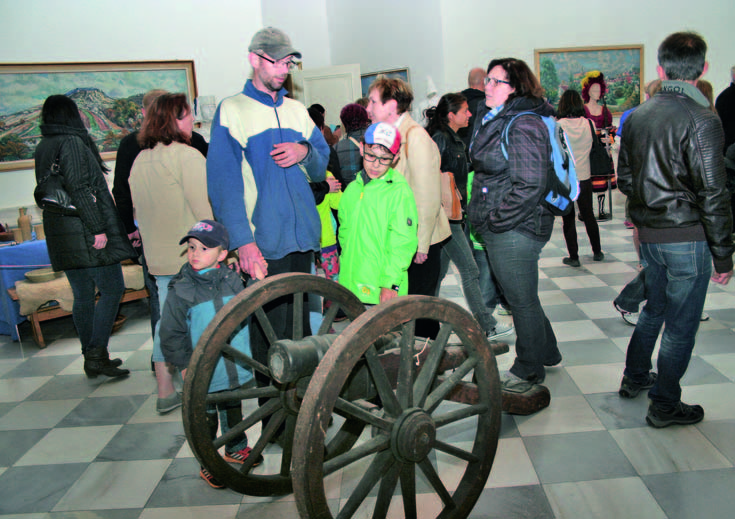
<point x="419" y="161"/>
<point x="169" y="189"/>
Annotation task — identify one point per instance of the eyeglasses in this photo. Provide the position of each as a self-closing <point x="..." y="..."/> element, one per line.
<point x="385" y="161"/>
<point x="494" y="82"/>
<point x="285" y="62"/>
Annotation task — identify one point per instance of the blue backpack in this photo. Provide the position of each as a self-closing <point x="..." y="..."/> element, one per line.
<point x="562" y="186"/>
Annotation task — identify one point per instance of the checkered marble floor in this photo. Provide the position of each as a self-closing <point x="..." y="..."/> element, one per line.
<point x="77" y="448"/>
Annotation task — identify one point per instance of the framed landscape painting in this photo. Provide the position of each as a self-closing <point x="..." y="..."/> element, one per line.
<point x="367" y="79"/>
<point x="562" y="69"/>
<point x="109" y="97"/>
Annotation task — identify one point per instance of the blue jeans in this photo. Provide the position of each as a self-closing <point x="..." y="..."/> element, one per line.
<point x="150" y="284"/>
<point x="162" y="286"/>
<point x="676" y="280"/>
<point x="487" y="283"/>
<point x="94" y="321"/>
<point x="458" y="250"/>
<point x="514" y="261"/>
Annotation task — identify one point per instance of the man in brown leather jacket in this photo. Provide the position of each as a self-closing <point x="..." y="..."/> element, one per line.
<point x="672" y="169"/>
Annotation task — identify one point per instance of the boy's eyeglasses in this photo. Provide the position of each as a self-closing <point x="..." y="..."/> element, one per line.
<point x="385" y="161"/>
<point x="285" y="62"/>
<point x="494" y="82"/>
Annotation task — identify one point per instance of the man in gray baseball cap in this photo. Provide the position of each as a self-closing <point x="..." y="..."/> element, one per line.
<point x="273" y="42"/>
<point x="263" y="153"/>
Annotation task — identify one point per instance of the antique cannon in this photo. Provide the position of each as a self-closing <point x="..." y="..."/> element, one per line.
<point x="372" y="403"/>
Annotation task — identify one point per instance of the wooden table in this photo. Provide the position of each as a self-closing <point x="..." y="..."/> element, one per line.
<point x="47" y="308"/>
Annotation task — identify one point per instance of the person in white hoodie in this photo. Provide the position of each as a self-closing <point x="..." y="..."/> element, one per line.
<point x="579" y="131"/>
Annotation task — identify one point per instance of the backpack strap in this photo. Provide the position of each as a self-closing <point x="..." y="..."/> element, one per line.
<point x="595" y="138"/>
<point x="504" y="136"/>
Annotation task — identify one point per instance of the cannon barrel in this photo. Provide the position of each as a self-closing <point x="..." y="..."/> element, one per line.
<point x="291" y="360"/>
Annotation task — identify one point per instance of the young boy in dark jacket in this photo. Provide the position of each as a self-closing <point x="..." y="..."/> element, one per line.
<point x="196" y="294"/>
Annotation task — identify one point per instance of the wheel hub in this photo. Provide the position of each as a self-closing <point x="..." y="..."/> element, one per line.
<point x="413" y="436"/>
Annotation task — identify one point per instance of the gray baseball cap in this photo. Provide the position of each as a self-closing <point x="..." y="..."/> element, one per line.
<point x="273" y="42"/>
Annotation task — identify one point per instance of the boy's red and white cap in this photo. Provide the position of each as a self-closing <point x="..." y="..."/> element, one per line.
<point x="385" y="135"/>
<point x="210" y="233"/>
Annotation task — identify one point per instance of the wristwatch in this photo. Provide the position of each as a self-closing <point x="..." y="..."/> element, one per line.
<point x="394" y="287"/>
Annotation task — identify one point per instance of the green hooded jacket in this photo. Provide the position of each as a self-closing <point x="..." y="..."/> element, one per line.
<point x="378" y="235"/>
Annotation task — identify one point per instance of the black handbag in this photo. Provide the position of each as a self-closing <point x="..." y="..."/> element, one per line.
<point x="602" y="167"/>
<point x="51" y="195"/>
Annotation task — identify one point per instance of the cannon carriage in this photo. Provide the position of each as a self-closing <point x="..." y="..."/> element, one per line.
<point x="373" y="404"/>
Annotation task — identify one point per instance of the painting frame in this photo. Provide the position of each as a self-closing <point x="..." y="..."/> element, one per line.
<point x="367" y="79"/>
<point x="25" y="86"/>
<point x="624" y="74"/>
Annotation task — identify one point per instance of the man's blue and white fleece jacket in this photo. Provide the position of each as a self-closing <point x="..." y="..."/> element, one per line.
<point x="192" y="302"/>
<point x="254" y="198"/>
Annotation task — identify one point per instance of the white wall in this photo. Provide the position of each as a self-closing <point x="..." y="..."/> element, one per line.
<point x="305" y="22"/>
<point x="389" y="34"/>
<point x="475" y="31"/>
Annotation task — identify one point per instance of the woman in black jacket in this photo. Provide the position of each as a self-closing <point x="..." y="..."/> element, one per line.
<point x="88" y="247"/>
<point x="449" y="115"/>
<point x="506" y="208"/>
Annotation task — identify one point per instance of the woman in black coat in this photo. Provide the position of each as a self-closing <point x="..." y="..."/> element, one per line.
<point x="88" y="247"/>
<point x="506" y="208"/>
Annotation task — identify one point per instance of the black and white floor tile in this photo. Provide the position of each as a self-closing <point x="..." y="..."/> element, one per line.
<point x="77" y="448"/>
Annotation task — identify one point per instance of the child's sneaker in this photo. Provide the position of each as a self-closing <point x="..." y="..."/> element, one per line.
<point x="241" y="455"/>
<point x="209" y="478"/>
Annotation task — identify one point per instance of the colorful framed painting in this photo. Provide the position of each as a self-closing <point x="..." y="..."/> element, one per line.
<point x="109" y="97"/>
<point x="562" y="69"/>
<point x="367" y="79"/>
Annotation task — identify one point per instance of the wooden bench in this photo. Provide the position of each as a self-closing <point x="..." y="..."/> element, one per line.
<point x="51" y="310"/>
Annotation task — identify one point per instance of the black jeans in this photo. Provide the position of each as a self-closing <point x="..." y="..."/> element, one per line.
<point x="423" y="279"/>
<point x="584" y="202"/>
<point x="279" y="313"/>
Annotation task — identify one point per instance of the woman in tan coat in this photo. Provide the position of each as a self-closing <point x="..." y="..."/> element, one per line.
<point x="418" y="161"/>
<point x="168" y="184"/>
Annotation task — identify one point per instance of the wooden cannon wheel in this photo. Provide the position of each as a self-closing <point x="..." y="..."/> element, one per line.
<point x="276" y="402"/>
<point x="409" y="425"/>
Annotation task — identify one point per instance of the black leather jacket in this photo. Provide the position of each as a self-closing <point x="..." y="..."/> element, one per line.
<point x="672" y="169"/>
<point x="454" y="158"/>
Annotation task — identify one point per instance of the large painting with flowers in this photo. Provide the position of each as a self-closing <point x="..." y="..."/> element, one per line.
<point x="622" y="66"/>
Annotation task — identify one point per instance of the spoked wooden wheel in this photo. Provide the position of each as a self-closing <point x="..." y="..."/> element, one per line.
<point x="409" y="424"/>
<point x="277" y="403"/>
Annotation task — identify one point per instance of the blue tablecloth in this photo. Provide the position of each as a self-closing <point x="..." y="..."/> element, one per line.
<point x="15" y="261"/>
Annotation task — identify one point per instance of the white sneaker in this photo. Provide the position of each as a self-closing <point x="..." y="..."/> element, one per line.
<point x="504" y="311"/>
<point x="513" y="384"/>
<point x="500" y="330"/>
